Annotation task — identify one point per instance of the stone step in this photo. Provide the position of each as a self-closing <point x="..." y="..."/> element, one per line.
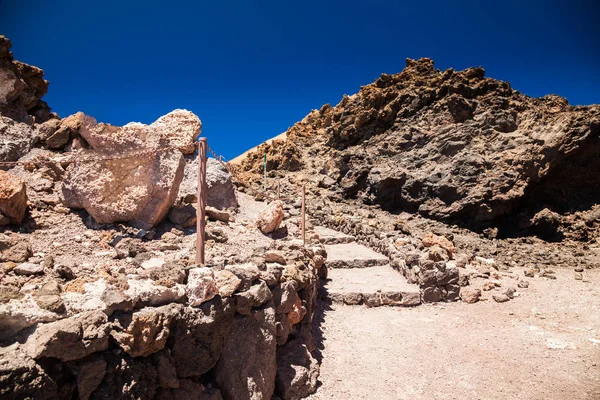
<point x="373" y="286"/>
<point x="330" y="236"/>
<point x="353" y="255"/>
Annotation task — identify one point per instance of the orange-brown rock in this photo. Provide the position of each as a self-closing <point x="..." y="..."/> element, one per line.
<point x="430" y="239"/>
<point x="270" y="218"/>
<point x="13" y="199"/>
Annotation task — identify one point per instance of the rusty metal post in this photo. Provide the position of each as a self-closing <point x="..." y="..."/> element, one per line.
<point x="200" y="212"/>
<point x="303" y="222"/>
<point x="278" y="189"/>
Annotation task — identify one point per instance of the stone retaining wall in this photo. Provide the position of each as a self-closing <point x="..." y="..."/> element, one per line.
<point x="241" y="332"/>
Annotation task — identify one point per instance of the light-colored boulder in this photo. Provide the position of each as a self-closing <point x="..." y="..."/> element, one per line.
<point x="220" y="192"/>
<point x="271" y="217"/>
<point x="201" y="286"/>
<point x="136" y="189"/>
<point x="177" y="128"/>
<point x="28" y="269"/>
<point x="13" y="199"/>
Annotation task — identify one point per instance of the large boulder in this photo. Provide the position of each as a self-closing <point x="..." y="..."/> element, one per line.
<point x="271" y="217"/>
<point x="220" y="192"/>
<point x="198" y="336"/>
<point x="247" y="366"/>
<point x="136" y="189"/>
<point x="13" y="199"/>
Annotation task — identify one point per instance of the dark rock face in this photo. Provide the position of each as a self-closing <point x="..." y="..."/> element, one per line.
<point x="297" y="371"/>
<point x="457" y="147"/>
<point x="247" y="367"/>
<point x="21" y="87"/>
<point x="198" y="337"/>
<point x="21" y="377"/>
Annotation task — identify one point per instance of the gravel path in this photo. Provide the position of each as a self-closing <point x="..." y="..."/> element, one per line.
<point x="544" y="344"/>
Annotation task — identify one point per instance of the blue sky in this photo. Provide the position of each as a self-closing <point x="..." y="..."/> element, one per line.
<point x="250" y="69"/>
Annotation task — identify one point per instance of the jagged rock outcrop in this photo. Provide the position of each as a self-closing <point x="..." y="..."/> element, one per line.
<point x="21" y="88"/>
<point x="137" y="189"/>
<point x="454" y="146"/>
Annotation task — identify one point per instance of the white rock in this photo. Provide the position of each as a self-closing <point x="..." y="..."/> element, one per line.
<point x="201" y="286"/>
<point x="153" y="263"/>
<point x="148" y="293"/>
<point x="20" y="314"/>
<point x="487" y="261"/>
<point x="89" y="300"/>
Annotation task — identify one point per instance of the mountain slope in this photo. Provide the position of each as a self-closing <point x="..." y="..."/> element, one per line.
<point x="453" y="146"/>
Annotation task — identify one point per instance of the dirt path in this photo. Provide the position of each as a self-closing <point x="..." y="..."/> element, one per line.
<point x="544" y="344"/>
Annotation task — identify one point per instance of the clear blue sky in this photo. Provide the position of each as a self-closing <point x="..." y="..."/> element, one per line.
<point x="250" y="69"/>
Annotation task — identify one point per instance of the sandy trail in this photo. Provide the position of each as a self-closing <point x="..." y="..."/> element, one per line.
<point x="544" y="344"/>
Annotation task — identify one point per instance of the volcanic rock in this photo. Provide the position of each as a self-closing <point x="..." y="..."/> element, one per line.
<point x="13" y="199"/>
<point x="220" y="192"/>
<point x="271" y="217"/>
<point x="138" y="189"/>
<point x="71" y="338"/>
<point x="144" y="332"/>
<point x="247" y="367"/>
<point x="201" y="286"/>
<point x="454" y="146"/>
<point x="297" y="371"/>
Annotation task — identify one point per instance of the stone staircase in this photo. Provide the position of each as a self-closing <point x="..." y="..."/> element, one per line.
<point x="359" y="275"/>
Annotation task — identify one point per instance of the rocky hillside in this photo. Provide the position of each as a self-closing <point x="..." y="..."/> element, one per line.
<point x="453" y="146"/>
<point x="100" y="294"/>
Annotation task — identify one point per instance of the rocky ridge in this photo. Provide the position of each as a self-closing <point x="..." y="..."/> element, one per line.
<point x="453" y="146"/>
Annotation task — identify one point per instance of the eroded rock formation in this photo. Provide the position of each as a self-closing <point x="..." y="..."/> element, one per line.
<point x="454" y="146"/>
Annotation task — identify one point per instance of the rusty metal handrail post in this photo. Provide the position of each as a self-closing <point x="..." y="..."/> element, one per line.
<point x="303" y="222"/>
<point x="201" y="211"/>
